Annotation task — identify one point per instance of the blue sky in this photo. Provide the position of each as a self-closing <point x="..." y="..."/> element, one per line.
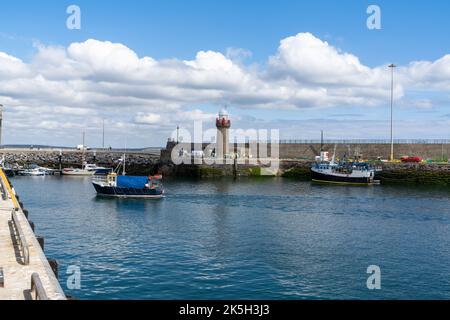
<point x="175" y="29"/>
<point x="411" y="30"/>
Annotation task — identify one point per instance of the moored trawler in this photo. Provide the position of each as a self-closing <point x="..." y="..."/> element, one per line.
<point x="357" y="173"/>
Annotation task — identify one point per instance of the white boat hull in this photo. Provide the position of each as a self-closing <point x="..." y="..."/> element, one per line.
<point x="81" y="173"/>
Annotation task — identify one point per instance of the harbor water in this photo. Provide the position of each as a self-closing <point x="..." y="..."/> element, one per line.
<point x="244" y="239"/>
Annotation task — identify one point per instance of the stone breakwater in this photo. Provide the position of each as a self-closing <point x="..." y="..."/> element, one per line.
<point x="137" y="162"/>
<point x="416" y="174"/>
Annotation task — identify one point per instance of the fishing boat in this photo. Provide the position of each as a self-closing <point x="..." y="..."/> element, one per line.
<point x="110" y="183"/>
<point x="86" y="170"/>
<point x="115" y="185"/>
<point x="343" y="172"/>
<point x="35" y="171"/>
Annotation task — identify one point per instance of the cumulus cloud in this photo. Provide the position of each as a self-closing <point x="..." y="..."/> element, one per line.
<point x="77" y="87"/>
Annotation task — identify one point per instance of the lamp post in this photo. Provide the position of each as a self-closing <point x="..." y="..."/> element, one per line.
<point x="1" y="120"/>
<point x="103" y="134"/>
<point x="392" y="66"/>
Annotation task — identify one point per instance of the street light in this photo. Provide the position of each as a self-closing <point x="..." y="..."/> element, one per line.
<point x="1" y="124"/>
<point x="392" y="66"/>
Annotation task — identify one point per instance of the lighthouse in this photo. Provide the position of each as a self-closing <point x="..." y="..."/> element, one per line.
<point x="223" y="124"/>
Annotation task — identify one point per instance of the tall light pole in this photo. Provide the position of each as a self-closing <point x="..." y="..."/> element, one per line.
<point x="103" y="134"/>
<point x="1" y="120"/>
<point x="392" y="66"/>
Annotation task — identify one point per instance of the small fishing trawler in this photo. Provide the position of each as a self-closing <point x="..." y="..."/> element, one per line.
<point x="110" y="183"/>
<point x="344" y="172"/>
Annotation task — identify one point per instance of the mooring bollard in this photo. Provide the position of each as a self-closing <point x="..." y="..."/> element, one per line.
<point x="41" y="241"/>
<point x="54" y="265"/>
<point x="25" y="212"/>
<point x="2" y="278"/>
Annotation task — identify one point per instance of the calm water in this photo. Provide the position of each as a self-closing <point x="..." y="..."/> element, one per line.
<point x="250" y="238"/>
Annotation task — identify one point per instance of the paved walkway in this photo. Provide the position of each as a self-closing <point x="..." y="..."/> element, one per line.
<point x="18" y="275"/>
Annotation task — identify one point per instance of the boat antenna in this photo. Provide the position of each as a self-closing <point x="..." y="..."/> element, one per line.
<point x="103" y="134"/>
<point x="124" y="171"/>
<point x="83" y="155"/>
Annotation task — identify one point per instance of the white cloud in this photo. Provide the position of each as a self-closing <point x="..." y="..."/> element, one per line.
<point x="148" y="118"/>
<point x="78" y="86"/>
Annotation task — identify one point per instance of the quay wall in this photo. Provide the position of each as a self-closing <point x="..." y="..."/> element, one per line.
<point x="393" y="173"/>
<point x="307" y="151"/>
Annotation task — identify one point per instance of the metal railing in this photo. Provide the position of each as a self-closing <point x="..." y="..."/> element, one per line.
<point x="368" y="141"/>
<point x="37" y="289"/>
<point x="328" y="141"/>
<point x="22" y="242"/>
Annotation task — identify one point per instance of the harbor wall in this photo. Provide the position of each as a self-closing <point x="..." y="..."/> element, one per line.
<point x="143" y="163"/>
<point x="393" y="173"/>
<point x="307" y="151"/>
<point x="136" y="162"/>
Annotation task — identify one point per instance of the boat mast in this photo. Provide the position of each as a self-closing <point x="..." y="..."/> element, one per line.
<point x="124" y="164"/>
<point x="103" y="134"/>
<point x="321" y="141"/>
<point x="83" y="156"/>
<point x="124" y="172"/>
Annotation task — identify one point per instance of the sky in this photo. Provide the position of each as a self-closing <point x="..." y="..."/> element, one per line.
<point x="144" y="67"/>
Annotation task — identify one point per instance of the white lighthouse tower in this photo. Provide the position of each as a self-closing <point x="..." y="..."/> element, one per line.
<point x="223" y="124"/>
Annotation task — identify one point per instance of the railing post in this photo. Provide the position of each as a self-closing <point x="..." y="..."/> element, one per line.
<point x="21" y="238"/>
<point x="2" y="278"/>
<point x="37" y="288"/>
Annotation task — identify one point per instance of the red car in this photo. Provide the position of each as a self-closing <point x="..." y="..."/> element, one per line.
<point x="411" y="159"/>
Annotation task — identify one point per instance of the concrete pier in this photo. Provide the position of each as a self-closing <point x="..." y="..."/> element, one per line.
<point x="25" y="273"/>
